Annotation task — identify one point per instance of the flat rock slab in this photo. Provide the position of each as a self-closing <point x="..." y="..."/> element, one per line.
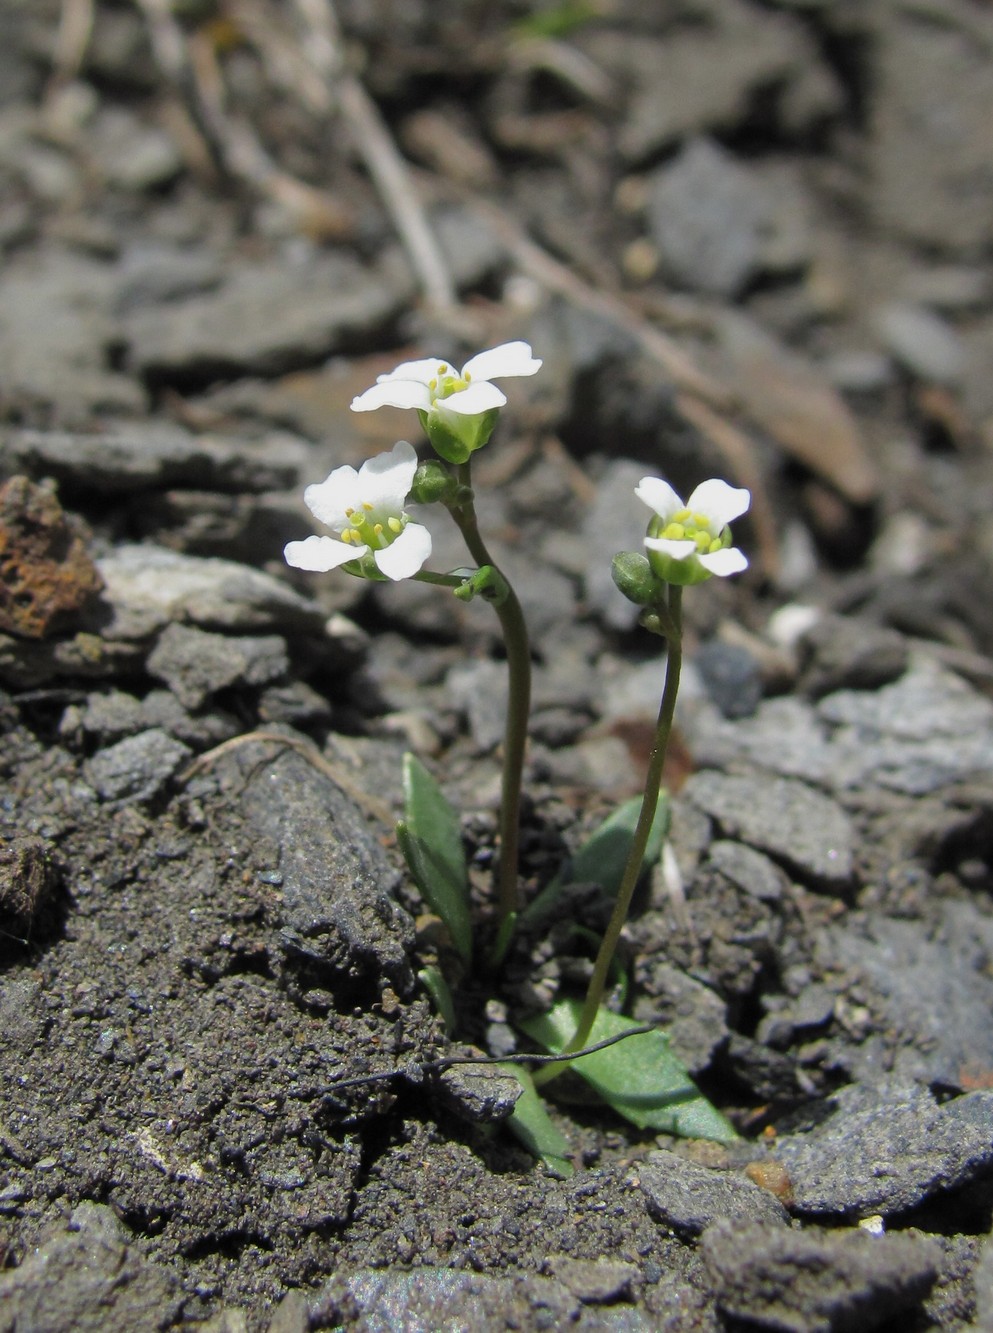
<point x="688" y="1198"/>
<point x="886" y="1150"/>
<point x="149" y="586"/>
<point x="340" y="926"/>
<point x="804" y="829"/>
<point x="196" y="664"/>
<point x="816" y="1281"/>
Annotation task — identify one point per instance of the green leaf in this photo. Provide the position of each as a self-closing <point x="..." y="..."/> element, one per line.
<point x="433" y="981"/>
<point x="602" y="857"/>
<point x="533" y="1126"/>
<point x="431" y="842"/>
<point x="639" y="1077"/>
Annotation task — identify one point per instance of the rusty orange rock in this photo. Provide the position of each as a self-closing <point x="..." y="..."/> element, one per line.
<point x="47" y="576"/>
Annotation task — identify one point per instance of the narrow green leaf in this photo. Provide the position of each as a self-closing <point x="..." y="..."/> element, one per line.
<point x="602" y="857"/>
<point x="431" y="842"/>
<point x="531" y="1124"/>
<point x="433" y="981"/>
<point x="639" y="1077"/>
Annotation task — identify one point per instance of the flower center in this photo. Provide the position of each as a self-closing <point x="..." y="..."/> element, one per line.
<point x="687" y="526"/>
<point x="446" y="382"/>
<point x="369" y="527"/>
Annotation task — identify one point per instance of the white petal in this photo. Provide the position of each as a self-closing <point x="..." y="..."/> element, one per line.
<point x="679" y="550"/>
<point x="393" y="393"/>
<point x="719" y="501"/>
<point x="404" y="557"/>
<point x="319" y="554"/>
<point x="473" y="401"/>
<point x="660" y="496"/>
<point x="385" y="481"/>
<point x="508" y="359"/>
<point x="728" y="561"/>
<point x="423" y="370"/>
<point x="327" y="500"/>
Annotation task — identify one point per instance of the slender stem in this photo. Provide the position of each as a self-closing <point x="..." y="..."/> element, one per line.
<point x="632" y="869"/>
<point x="439" y="580"/>
<point x="515" y="637"/>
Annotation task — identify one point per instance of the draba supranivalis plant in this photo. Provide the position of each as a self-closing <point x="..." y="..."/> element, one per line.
<point x="690" y="541"/>
<point x="458" y="409"/>
<point x="365" y="509"/>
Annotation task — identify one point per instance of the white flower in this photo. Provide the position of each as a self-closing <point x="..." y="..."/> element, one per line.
<point x="365" y="509"/>
<point x="469" y="392"/>
<point x="458" y="409"/>
<point x="689" y="542"/>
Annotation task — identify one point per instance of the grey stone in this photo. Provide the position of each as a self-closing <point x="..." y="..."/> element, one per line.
<point x="747" y="868"/>
<point x="88" y="1279"/>
<point x="688" y="1198"/>
<point x="151" y="272"/>
<point x="266" y="318"/>
<point x="480" y="1093"/>
<point x="806" y="830"/>
<point x="845" y="653"/>
<point x="928" y="166"/>
<point x="196" y="664"/>
<point x="932" y="991"/>
<point x="816" y="1281"/>
<point x="595" y="1281"/>
<point x="922" y="343"/>
<point x="153" y="455"/>
<point x="983" y="1278"/>
<point x="617" y="520"/>
<point x="55" y="311"/>
<point x="149" y="586"/>
<point x="137" y="767"/>
<point x="887" y="1149"/>
<point x="479" y="689"/>
<point x="130" y="154"/>
<point x="339" y="923"/>
<point x="693" y="1015"/>
<point x="949" y="287"/>
<point x="707" y="214"/>
<point x="732" y="676"/>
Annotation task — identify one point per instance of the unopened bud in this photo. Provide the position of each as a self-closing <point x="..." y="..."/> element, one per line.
<point x="432" y="483"/>
<point x="634" y="576"/>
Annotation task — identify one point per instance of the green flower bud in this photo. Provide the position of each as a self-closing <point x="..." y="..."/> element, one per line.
<point x="433" y="483"/>
<point x="455" y="436"/>
<point x="633" y="574"/>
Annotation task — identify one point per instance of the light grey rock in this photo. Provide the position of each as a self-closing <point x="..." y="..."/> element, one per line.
<point x="806" y="830"/>
<point x="479" y="690"/>
<point x="151" y="272"/>
<point x="932" y="991"/>
<point x="55" y="311"/>
<point x="707" y="214"/>
<point x="747" y="868"/>
<point x="951" y="288"/>
<point x="130" y="154"/>
<point x="928" y="168"/>
<point x="149" y="586"/>
<point x="922" y="343"/>
<point x="88" y="1279"/>
<point x="154" y="455"/>
<point x="816" y="1281"/>
<point x="138" y="767"/>
<point x="688" y="1198"/>
<point x="480" y="1093"/>
<point x="732" y="676"/>
<point x="693" y="1015"/>
<point x="616" y="521"/>
<point x="595" y="1281"/>
<point x="196" y="664"/>
<point x="983" y="1278"/>
<point x="843" y="652"/>
<point x="266" y="318"/>
<point x="340" y="926"/>
<point x="887" y="1149"/>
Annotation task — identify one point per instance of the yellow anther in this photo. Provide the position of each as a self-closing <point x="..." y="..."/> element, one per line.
<point x="378" y="529"/>
<point x="681" y="516"/>
<point x="394" y="525"/>
<point x="442" y="369"/>
<point x="367" y="506"/>
<point x="432" y="385"/>
<point x="346" y="536"/>
<point x="675" y="532"/>
<point x="716" y="545"/>
<point x="349" y="513"/>
<point x="701" y="520"/>
<point x="466" y="377"/>
<point x="702" y="540"/>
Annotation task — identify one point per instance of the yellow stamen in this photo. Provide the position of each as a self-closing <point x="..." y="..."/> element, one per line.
<point x="349" y="513"/>
<point x="675" y="531"/>
<point x="716" y="545"/>
<point x="701" y="520"/>
<point x="367" y="506"/>
<point x="442" y="369"/>
<point x="432" y="385"/>
<point x="466" y="377"/>
<point x="394" y="525"/>
<point x="378" y="529"/>
<point x="702" y="540"/>
<point x="681" y="516"/>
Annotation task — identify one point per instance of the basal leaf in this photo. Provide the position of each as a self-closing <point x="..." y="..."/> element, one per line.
<point x="639" y="1077"/>
<point x="433" y="981"/>
<point x="531" y="1124"/>
<point x="602" y="857"/>
<point x="431" y="842"/>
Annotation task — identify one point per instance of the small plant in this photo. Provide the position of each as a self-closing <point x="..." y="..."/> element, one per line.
<point x="630" y="1068"/>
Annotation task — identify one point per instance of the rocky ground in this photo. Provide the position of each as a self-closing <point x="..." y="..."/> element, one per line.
<point x="749" y="240"/>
